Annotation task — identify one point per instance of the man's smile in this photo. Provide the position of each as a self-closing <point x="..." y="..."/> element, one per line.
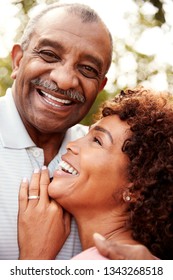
<point x="49" y="89"/>
<point x="54" y="101"/>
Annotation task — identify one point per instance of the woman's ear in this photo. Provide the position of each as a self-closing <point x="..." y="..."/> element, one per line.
<point x="128" y="195"/>
<point x="16" y="55"/>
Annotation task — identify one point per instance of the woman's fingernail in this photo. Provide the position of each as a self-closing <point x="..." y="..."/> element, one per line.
<point x="36" y="170"/>
<point x="44" y="167"/>
<point x="99" y="236"/>
<point x="24" y="180"/>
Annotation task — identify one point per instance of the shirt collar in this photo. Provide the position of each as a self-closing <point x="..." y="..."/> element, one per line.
<point x="13" y="133"/>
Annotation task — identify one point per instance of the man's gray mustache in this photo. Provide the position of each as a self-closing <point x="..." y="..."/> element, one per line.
<point x="72" y="94"/>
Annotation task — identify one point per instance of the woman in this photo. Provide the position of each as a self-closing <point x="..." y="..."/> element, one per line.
<point x="117" y="180"/>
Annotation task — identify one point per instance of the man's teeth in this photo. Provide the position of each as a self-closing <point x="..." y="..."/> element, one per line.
<point x="63" y="101"/>
<point x="68" y="168"/>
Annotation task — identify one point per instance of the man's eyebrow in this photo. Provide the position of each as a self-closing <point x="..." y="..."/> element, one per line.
<point x="100" y="128"/>
<point x="51" y="43"/>
<point x="57" y="45"/>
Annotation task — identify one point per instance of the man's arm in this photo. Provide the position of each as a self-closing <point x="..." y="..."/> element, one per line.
<point x="115" y="251"/>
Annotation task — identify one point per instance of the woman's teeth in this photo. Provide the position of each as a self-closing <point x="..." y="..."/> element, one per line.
<point x="68" y="168"/>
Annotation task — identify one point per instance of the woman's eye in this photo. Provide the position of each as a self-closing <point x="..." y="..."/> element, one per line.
<point x="88" y="71"/>
<point x="49" y="56"/>
<point x="96" y="140"/>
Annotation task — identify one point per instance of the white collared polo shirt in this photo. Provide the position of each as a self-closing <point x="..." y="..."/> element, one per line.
<point x="19" y="156"/>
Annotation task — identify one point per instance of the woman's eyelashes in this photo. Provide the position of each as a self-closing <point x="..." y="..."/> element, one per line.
<point x="97" y="140"/>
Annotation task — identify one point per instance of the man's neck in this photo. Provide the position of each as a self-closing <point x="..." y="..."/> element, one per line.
<point x="50" y="143"/>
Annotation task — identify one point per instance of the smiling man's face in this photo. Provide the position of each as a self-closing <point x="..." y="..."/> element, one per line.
<point x="59" y="75"/>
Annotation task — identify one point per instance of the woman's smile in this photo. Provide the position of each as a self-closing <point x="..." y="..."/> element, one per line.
<point x="68" y="168"/>
<point x="91" y="163"/>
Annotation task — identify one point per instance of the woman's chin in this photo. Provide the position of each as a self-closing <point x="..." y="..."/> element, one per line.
<point x="61" y="190"/>
<point x="55" y="192"/>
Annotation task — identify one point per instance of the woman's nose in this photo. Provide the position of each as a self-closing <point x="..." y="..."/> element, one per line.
<point x="65" y="77"/>
<point x="73" y="147"/>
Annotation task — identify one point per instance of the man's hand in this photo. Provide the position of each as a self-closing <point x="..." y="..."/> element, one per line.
<point x="43" y="226"/>
<point x="115" y="251"/>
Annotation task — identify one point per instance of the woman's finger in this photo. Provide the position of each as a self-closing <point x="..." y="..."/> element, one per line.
<point x="44" y="182"/>
<point x="23" y="195"/>
<point x="34" y="188"/>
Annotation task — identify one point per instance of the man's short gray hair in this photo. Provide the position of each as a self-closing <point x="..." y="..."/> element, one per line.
<point x="86" y="13"/>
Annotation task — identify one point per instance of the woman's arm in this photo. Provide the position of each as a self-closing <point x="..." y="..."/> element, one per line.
<point x="43" y="225"/>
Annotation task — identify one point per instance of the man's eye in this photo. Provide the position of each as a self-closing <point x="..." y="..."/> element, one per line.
<point x="49" y="56"/>
<point x="88" y="71"/>
<point x="96" y="140"/>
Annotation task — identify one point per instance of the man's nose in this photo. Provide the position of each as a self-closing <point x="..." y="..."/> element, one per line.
<point x="65" y="77"/>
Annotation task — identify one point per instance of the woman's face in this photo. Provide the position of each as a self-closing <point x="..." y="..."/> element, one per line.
<point x="94" y="170"/>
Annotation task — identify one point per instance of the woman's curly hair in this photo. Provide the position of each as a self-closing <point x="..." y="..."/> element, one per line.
<point x="150" y="150"/>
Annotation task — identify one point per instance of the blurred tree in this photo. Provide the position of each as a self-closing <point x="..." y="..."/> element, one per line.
<point x="160" y="15"/>
<point x="101" y="97"/>
<point x="24" y="6"/>
<point x="137" y="67"/>
<point x="5" y="72"/>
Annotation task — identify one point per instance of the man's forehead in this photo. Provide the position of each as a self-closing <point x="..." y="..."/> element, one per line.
<point x="58" y="16"/>
<point x="61" y="20"/>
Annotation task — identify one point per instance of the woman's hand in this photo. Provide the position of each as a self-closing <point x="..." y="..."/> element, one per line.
<point x="43" y="225"/>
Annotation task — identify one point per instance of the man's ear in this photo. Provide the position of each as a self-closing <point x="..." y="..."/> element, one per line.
<point x="103" y="84"/>
<point x="16" y="55"/>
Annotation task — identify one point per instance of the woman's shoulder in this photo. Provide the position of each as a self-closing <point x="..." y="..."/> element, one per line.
<point x="89" y="254"/>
